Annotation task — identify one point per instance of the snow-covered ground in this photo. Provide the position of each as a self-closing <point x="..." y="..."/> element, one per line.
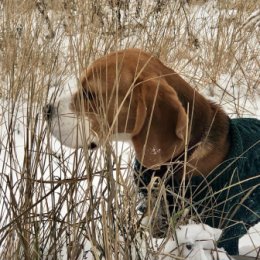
<point x="191" y="242"/>
<point x="238" y="95"/>
<point x="247" y="244"/>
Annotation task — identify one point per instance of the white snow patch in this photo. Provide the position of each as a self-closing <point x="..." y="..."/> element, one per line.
<point x="191" y="242"/>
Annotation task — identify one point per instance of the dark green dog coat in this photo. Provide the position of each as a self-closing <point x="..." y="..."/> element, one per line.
<point x="229" y="198"/>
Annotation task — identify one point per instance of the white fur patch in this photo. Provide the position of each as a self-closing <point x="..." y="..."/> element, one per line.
<point x="72" y="131"/>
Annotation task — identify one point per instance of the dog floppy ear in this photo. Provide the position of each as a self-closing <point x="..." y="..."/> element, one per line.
<point x="160" y="127"/>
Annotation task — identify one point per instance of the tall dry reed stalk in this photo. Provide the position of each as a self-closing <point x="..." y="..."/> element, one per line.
<point x="52" y="199"/>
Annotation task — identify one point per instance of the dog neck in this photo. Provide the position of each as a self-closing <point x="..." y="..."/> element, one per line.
<point x="213" y="147"/>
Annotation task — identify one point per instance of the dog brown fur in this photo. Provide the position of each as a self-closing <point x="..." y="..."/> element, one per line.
<point x="136" y="94"/>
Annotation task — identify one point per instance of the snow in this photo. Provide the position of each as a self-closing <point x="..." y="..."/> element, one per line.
<point x="191" y="242"/>
<point x="250" y="243"/>
<point x="189" y="236"/>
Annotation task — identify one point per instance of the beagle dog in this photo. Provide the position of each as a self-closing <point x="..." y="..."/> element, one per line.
<point x="131" y="95"/>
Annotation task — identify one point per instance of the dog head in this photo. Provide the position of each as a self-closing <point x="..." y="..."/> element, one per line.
<point x="123" y="95"/>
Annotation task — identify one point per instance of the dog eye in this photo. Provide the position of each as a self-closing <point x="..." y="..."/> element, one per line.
<point x="88" y="95"/>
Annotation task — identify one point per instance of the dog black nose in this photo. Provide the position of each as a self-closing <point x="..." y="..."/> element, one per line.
<point x="92" y="146"/>
<point x="47" y="111"/>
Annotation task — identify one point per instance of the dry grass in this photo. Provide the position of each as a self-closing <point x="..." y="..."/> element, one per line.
<point x="53" y="200"/>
